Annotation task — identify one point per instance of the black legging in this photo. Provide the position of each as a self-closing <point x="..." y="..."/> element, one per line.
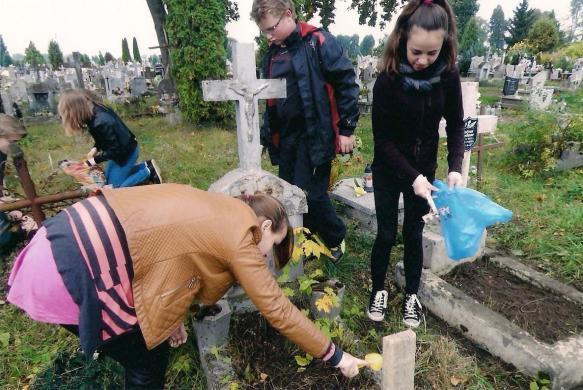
<point x="386" y="196"/>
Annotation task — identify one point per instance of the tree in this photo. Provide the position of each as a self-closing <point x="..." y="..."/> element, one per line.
<point x="350" y="45"/>
<point x="544" y="35"/>
<point x="32" y="56"/>
<point x="55" y="55"/>
<point x="154" y="59"/>
<point x="5" y="58"/>
<point x="368" y="10"/>
<point x="367" y="45"/>
<point x="520" y="23"/>
<point x="497" y="29"/>
<point x="85" y="61"/>
<point x="108" y="57"/>
<point x="159" y="15"/>
<point x="101" y="59"/>
<point x="136" y="51"/>
<point x="197" y="37"/>
<point x="125" y="51"/>
<point x="464" y="10"/>
<point x="576" y="20"/>
<point x="471" y="44"/>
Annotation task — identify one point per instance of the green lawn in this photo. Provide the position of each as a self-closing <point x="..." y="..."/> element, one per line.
<point x="546" y="231"/>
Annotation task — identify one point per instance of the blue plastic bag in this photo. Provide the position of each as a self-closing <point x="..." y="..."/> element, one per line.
<point x="464" y="215"/>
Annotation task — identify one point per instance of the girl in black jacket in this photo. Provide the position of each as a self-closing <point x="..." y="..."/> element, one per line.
<point x="114" y="142"/>
<point x="419" y="84"/>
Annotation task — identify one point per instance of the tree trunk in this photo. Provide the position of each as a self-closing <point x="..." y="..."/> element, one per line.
<point x="159" y="17"/>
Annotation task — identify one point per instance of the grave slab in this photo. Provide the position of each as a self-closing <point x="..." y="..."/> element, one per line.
<point x="399" y="361"/>
<point x="562" y="360"/>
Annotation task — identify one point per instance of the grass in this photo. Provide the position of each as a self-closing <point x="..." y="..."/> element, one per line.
<point x="546" y="231"/>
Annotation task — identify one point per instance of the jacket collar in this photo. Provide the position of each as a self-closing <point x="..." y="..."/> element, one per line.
<point x="301" y="31"/>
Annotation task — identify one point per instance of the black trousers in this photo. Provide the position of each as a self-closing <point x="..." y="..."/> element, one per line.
<point x="386" y="195"/>
<point x="296" y="168"/>
<point x="144" y="369"/>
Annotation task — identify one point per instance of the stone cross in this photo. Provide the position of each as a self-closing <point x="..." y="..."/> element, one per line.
<point x="246" y="89"/>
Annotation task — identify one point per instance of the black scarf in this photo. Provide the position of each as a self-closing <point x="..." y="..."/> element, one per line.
<point x="420" y="80"/>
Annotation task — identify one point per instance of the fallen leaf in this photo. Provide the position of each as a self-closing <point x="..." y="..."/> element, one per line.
<point x="456" y="380"/>
<point x="263" y="376"/>
<point x="324" y="304"/>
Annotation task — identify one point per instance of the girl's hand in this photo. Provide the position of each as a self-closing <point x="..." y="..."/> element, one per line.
<point x="454" y="179"/>
<point x="349" y="365"/>
<point x="346" y="143"/>
<point x="422" y="187"/>
<point x="178" y="337"/>
<point x="91" y="153"/>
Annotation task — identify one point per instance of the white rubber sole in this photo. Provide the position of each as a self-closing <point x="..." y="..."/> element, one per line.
<point x="375" y="317"/>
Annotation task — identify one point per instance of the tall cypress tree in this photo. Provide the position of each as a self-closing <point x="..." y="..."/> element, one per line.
<point x="136" y="51"/>
<point x="5" y="58"/>
<point x="463" y="10"/>
<point x="497" y="28"/>
<point x="33" y="56"/>
<point x="196" y="34"/>
<point x="55" y="55"/>
<point x="125" y="51"/>
<point x="520" y="23"/>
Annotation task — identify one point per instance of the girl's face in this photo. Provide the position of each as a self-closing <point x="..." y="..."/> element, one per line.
<point x="269" y="238"/>
<point x="423" y="47"/>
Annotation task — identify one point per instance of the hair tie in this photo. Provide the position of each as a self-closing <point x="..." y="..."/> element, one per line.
<point x="427" y="2"/>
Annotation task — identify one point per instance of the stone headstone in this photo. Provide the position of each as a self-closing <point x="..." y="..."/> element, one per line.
<point x="538" y="80"/>
<point x="475" y="64"/>
<point x="541" y="98"/>
<point x="555" y="74"/>
<point x="399" y="361"/>
<point x="484" y="72"/>
<point x="139" y="86"/>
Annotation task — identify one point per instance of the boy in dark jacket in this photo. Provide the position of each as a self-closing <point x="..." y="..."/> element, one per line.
<point x="304" y="131"/>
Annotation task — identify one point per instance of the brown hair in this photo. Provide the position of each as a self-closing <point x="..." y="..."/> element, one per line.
<point x="274" y="7"/>
<point x="11" y="128"/>
<point x="76" y="109"/>
<point x="429" y="15"/>
<point x="267" y="207"/>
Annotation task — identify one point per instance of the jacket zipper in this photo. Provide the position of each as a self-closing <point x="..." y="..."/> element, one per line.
<point x="189" y="284"/>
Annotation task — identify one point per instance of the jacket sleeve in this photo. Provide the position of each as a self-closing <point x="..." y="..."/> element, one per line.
<point x="252" y="273"/>
<point x="339" y="72"/>
<point x="106" y="142"/>
<point x="382" y="106"/>
<point x="454" y="117"/>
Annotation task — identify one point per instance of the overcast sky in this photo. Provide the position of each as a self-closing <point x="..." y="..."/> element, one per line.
<point x="93" y="26"/>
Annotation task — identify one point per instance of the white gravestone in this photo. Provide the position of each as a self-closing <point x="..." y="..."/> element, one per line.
<point x="541" y="98"/>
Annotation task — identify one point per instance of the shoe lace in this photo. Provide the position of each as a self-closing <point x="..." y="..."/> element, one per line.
<point x="379" y="301"/>
<point x="412" y="305"/>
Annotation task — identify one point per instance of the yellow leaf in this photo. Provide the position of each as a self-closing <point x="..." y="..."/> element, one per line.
<point x="455" y="380"/>
<point x="324" y="304"/>
<point x="263" y="377"/>
<point x="311" y="248"/>
<point x="297" y="253"/>
<point x="375" y="360"/>
<point x="359" y="191"/>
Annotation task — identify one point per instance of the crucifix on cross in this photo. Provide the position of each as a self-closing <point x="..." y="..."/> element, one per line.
<point x="246" y="89"/>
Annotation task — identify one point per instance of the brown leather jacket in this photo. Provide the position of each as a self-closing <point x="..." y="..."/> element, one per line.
<point x="190" y="244"/>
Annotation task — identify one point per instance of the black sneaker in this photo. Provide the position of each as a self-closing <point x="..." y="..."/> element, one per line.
<point x="337" y="252"/>
<point x="155" y="176"/>
<point x="412" y="311"/>
<point x="377" y="306"/>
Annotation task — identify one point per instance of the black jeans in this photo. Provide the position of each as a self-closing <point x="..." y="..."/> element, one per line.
<point x="296" y="168"/>
<point x="386" y="196"/>
<point x="144" y="369"/>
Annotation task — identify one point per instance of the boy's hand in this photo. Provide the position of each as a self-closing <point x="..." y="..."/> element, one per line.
<point x="346" y="143"/>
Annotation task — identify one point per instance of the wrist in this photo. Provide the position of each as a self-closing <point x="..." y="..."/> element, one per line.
<point x="333" y="355"/>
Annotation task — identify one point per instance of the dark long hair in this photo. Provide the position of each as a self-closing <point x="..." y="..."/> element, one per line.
<point x="429" y="15"/>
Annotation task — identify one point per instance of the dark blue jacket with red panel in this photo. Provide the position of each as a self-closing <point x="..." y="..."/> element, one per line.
<point x="328" y="91"/>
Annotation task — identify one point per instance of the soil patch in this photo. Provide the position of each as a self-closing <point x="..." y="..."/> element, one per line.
<point x="259" y="349"/>
<point x="546" y="316"/>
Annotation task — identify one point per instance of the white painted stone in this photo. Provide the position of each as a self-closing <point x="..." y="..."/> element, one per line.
<point x="541" y="98"/>
<point x="399" y="361"/>
<point x="246" y="89"/>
